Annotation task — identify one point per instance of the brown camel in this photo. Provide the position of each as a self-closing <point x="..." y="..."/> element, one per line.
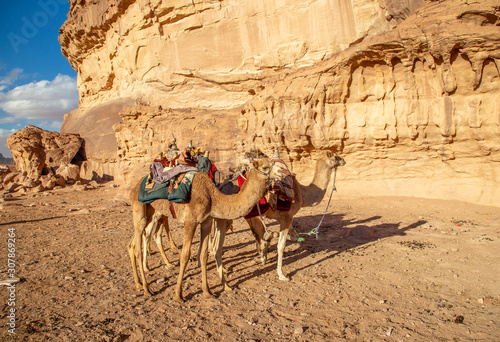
<point x="159" y="223"/>
<point x="305" y="196"/>
<point x="206" y="203"/>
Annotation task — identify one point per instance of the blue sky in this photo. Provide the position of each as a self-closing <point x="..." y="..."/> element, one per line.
<point x="37" y="83"/>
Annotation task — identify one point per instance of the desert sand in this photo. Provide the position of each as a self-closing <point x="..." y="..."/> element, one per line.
<point x="382" y="269"/>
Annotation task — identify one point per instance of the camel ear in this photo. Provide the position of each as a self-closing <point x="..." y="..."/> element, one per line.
<point x="329" y="154"/>
<point x="255" y="163"/>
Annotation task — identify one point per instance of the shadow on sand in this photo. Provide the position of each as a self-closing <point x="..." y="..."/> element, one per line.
<point x="336" y="235"/>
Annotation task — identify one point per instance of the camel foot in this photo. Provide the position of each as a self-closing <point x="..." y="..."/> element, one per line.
<point x="283" y="277"/>
<point x="208" y="295"/>
<point x="227" y="288"/>
<point x="146" y="269"/>
<point x="147" y="293"/>
<point x="179" y="299"/>
<point x="170" y="265"/>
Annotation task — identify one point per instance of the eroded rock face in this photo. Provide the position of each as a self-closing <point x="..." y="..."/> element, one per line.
<point x="36" y="151"/>
<point x="416" y="109"/>
<point x="208" y="54"/>
<point x="409" y="95"/>
<point x="146" y="131"/>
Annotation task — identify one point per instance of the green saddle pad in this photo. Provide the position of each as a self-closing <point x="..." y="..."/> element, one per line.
<point x="176" y="190"/>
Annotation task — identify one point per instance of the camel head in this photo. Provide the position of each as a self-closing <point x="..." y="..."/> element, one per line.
<point x="264" y="167"/>
<point x="334" y="159"/>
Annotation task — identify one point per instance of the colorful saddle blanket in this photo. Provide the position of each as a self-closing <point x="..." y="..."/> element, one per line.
<point x="263" y="205"/>
<point x="176" y="189"/>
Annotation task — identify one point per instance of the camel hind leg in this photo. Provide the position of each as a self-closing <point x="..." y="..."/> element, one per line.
<point x="150" y="229"/>
<point x="131" y="253"/>
<point x="169" y="234"/>
<point x="189" y="230"/>
<point x="205" y="232"/>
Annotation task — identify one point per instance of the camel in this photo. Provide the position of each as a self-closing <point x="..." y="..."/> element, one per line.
<point x="159" y="224"/>
<point x="206" y="203"/>
<point x="305" y="196"/>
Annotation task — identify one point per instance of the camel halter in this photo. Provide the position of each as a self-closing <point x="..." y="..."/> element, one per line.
<point x="268" y="174"/>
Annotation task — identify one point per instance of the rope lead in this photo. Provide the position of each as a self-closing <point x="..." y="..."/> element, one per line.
<point x="316" y="230"/>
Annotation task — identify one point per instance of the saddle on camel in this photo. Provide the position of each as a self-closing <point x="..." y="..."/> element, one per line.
<point x="171" y="176"/>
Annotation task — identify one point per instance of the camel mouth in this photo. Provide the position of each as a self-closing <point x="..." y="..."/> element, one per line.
<point x="339" y="161"/>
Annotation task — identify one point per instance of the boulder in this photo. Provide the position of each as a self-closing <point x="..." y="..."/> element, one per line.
<point x="49" y="181"/>
<point x="69" y="172"/>
<point x="37" y="151"/>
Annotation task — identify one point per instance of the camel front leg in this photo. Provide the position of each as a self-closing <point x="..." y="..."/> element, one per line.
<point x="258" y="231"/>
<point x="284" y="229"/>
<point x="205" y="231"/>
<point x="189" y="230"/>
<point x="221" y="227"/>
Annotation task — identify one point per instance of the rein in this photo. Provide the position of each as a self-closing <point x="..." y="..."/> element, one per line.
<point x="316" y="230"/>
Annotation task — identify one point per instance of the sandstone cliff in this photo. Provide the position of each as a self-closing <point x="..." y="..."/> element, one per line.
<point x="407" y="92"/>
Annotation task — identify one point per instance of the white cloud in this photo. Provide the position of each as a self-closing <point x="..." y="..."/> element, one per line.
<point x="43" y="100"/>
<point x="50" y="125"/>
<point x="4" y="133"/>
<point x="7" y="120"/>
<point x="11" y="77"/>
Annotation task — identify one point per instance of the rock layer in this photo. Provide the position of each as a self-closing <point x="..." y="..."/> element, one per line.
<point x="415" y="109"/>
<point x="409" y="95"/>
<point x="208" y="53"/>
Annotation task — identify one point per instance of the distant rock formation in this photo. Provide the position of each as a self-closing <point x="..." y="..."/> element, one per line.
<point x="6" y="161"/>
<point x="407" y="91"/>
<point x="37" y="152"/>
<point x="45" y="159"/>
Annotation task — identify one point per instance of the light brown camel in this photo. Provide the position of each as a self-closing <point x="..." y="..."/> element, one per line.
<point x="206" y="202"/>
<point x="159" y="223"/>
<point x="305" y="196"/>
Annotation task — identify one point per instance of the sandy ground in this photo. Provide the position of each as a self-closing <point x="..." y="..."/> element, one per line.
<point x="383" y="269"/>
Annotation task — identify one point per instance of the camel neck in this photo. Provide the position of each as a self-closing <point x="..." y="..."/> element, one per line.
<point x="313" y="193"/>
<point x="231" y="207"/>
